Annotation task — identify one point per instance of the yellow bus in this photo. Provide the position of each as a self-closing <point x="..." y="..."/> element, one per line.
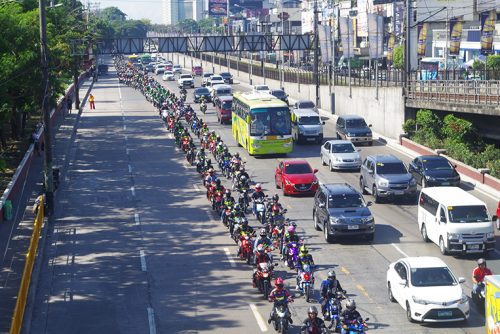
<point x="261" y="123"/>
<point x="492" y="307"/>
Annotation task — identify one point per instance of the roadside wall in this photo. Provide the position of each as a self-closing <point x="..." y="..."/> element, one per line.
<point x="385" y="113"/>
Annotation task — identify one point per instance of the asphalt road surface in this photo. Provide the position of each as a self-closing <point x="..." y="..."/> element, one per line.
<point x="136" y="248"/>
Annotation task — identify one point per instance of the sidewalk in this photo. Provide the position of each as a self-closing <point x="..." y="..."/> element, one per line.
<point x="15" y="234"/>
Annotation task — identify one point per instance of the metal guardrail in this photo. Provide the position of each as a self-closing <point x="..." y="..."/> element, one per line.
<point x="475" y="92"/>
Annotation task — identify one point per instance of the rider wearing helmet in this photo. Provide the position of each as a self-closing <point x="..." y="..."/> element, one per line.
<point x="479" y="273"/>
<point x="304" y="256"/>
<point x="288" y="237"/>
<point x="329" y="289"/>
<point x="261" y="256"/>
<point x="349" y="314"/>
<point x="263" y="240"/>
<point x="312" y="324"/>
<point x="211" y="177"/>
<point x="241" y="173"/>
<point x="228" y="202"/>
<point x="279" y="295"/>
<point x="201" y="154"/>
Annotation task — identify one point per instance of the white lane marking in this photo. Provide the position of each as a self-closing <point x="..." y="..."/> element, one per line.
<point x="399" y="250"/>
<point x="126" y="137"/>
<point x="258" y="317"/>
<point x="127" y="151"/>
<point x="137" y="219"/>
<point x="124" y="127"/>
<point x="195" y="186"/>
<point x="132" y="189"/>
<point x="151" y="320"/>
<point x="143" y="261"/>
<point x="228" y="254"/>
<point x="130" y="169"/>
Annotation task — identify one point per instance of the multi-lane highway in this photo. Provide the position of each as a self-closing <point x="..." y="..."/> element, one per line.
<point x="137" y="249"/>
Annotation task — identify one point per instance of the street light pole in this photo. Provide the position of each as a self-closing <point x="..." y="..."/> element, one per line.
<point x="316" y="52"/>
<point x="48" y="177"/>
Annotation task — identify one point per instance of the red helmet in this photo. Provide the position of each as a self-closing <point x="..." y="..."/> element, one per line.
<point x="279" y="283"/>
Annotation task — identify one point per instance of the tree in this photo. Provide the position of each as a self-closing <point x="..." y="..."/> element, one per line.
<point x="188" y="26"/>
<point x="398" y="57"/>
<point x="206" y="25"/>
<point x="112" y="14"/>
<point x="493" y="62"/>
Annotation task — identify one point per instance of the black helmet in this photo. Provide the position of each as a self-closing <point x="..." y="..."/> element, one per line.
<point x="244" y="221"/>
<point x="276" y="197"/>
<point x="351" y="305"/>
<point x="312" y="309"/>
<point x="217" y="182"/>
<point x="237" y="155"/>
<point x="331" y="274"/>
<point x="202" y="149"/>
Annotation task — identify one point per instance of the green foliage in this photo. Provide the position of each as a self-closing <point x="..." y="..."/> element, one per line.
<point x="427" y="121"/>
<point x="409" y="126"/>
<point x="493" y="62"/>
<point x="398" y="57"/>
<point x="457" y="129"/>
<point x="478" y="65"/>
<point x="206" y="25"/>
<point x="188" y="26"/>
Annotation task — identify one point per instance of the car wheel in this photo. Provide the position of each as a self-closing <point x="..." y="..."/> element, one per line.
<point x="276" y="183"/>
<point x="328" y="237"/>
<point x="442" y="247"/>
<point x="283" y="189"/>
<point x="322" y="160"/>
<point x="376" y="197"/>
<point x="424" y="183"/>
<point x="316" y="224"/>
<point x="330" y="166"/>
<point x="408" y="313"/>
<point x="362" y="186"/>
<point x="389" y="293"/>
<point x="423" y="231"/>
<point x="370" y="143"/>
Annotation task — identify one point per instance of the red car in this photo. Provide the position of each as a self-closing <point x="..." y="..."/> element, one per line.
<point x="169" y="67"/>
<point x="196" y="70"/>
<point x="223" y="106"/>
<point x="296" y="177"/>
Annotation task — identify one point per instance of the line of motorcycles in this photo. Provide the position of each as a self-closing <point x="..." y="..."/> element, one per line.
<point x="267" y="211"/>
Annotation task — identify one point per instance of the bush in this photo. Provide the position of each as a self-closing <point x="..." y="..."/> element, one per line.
<point x="459" y="151"/>
<point x="428" y="139"/>
<point x="409" y="126"/>
<point x="457" y="129"/>
<point x="398" y="59"/>
<point x="429" y="122"/>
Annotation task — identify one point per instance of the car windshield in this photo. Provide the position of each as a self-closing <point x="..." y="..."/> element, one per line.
<point x="391" y="168"/>
<point x="421" y="277"/>
<point x="177" y="66"/>
<point x="186" y="76"/>
<point x="345" y="201"/>
<point x="216" y="78"/>
<point x="168" y="73"/>
<point x="270" y="122"/>
<point x="226" y="105"/>
<point x="279" y="93"/>
<point x="262" y="88"/>
<point x="343" y="148"/>
<point x="437" y="164"/>
<point x="355" y="123"/>
<point x="202" y="91"/>
<point x="207" y="75"/>
<point x="468" y="214"/>
<point x="225" y="75"/>
<point x="310" y="120"/>
<point x="306" y="105"/>
<point x="297" y="169"/>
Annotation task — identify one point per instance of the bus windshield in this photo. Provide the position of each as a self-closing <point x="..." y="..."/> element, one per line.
<point x="270" y="122"/>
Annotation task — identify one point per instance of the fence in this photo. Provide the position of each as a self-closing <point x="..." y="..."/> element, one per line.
<point x="17" y="318"/>
<point x="484" y="92"/>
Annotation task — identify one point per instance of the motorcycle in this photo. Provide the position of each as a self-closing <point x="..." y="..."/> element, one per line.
<point x="263" y="277"/>
<point x="244" y="199"/>
<point x="306" y="282"/>
<point x="292" y="255"/>
<point x="333" y="310"/>
<point x="281" y="316"/>
<point x="355" y="326"/>
<point x="260" y="210"/>
<point x="217" y="202"/>
<point x="185" y="144"/>
<point x="203" y="107"/>
<point x="246" y="249"/>
<point x="479" y="295"/>
<point x="190" y="156"/>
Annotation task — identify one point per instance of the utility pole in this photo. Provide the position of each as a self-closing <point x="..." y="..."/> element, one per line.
<point x="48" y="177"/>
<point x="316" y="52"/>
<point x="407" y="61"/>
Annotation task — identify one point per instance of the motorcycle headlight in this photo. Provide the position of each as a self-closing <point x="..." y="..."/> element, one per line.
<point x="453" y="235"/>
<point x="383" y="183"/>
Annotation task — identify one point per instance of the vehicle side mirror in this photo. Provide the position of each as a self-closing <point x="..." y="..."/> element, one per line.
<point x="369" y="125"/>
<point x="321" y="205"/>
<point x="461" y="280"/>
<point x="323" y="123"/>
<point x="455" y="166"/>
<point x="494" y="218"/>
<point x="369" y="203"/>
<point x="278" y="171"/>
<point x="315" y="170"/>
<point x="403" y="282"/>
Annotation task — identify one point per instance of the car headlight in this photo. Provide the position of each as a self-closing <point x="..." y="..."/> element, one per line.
<point x="453" y="235"/>
<point x="334" y="220"/>
<point x="413" y="182"/>
<point x="350" y="134"/>
<point x="197" y="96"/>
<point x="430" y="178"/>
<point x="490" y="235"/>
<point x="288" y="182"/>
<point x="420" y="301"/>
<point x="464" y="299"/>
<point x="383" y="183"/>
<point x="367" y="220"/>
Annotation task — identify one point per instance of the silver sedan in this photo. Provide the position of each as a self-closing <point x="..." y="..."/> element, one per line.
<point x="340" y="154"/>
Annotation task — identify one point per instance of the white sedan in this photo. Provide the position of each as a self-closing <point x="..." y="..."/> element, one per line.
<point x="340" y="154"/>
<point x="168" y="76"/>
<point x="262" y="89"/>
<point x="427" y="289"/>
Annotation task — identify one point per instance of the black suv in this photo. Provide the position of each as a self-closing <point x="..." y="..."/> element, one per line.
<point x="341" y="211"/>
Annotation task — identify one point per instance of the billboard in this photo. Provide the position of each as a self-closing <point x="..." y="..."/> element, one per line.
<point x="455" y="36"/>
<point x="362" y="18"/>
<point x="217" y="7"/>
<point x="390" y="48"/>
<point x="441" y="10"/>
<point x="325" y="42"/>
<point x="346" y="36"/>
<point x="376" y="36"/>
<point x="488" y="20"/>
<point x="398" y="18"/>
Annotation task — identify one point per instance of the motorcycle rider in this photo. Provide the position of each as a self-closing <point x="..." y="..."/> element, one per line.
<point x="228" y="202"/>
<point x="264" y="241"/>
<point x="200" y="156"/>
<point x="479" y="273"/>
<point x="288" y="237"/>
<point x="304" y="257"/>
<point x="279" y="294"/>
<point x="329" y="289"/>
<point x="211" y="177"/>
<point x="236" y="214"/>
<point x="312" y="324"/>
<point x="258" y="194"/>
<point x="349" y="314"/>
<point x="261" y="256"/>
<point x="240" y="176"/>
<point x="242" y="229"/>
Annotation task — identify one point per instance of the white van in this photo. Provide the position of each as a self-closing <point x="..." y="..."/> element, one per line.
<point x="455" y="220"/>
<point x="306" y="126"/>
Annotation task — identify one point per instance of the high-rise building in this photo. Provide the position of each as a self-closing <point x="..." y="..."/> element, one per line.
<point x="178" y="10"/>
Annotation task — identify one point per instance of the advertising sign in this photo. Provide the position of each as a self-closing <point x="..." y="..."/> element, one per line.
<point x="362" y="18"/>
<point x="390" y="48"/>
<point x="325" y="42"/>
<point x="455" y="36"/>
<point x="217" y="7"/>
<point x="398" y="19"/>
<point x="422" y="38"/>
<point x="487" y="31"/>
<point x="376" y="35"/>
<point x="442" y="10"/>
<point x="346" y="36"/>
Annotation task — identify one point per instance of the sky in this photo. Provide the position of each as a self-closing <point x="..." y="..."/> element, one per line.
<point x="136" y="9"/>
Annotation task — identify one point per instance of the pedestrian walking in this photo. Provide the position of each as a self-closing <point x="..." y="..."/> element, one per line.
<point x="91" y="100"/>
<point x="69" y="104"/>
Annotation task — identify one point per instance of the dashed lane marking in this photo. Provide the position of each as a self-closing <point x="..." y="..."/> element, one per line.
<point x="132" y="189"/>
<point x="130" y="169"/>
<point x="137" y="219"/>
<point x="258" y="317"/>
<point x="399" y="250"/>
<point x="230" y="259"/>
<point x="143" y="260"/>
<point x="345" y="271"/>
<point x="151" y="320"/>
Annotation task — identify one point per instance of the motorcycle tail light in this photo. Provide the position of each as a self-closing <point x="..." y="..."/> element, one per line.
<point x="306" y="277"/>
